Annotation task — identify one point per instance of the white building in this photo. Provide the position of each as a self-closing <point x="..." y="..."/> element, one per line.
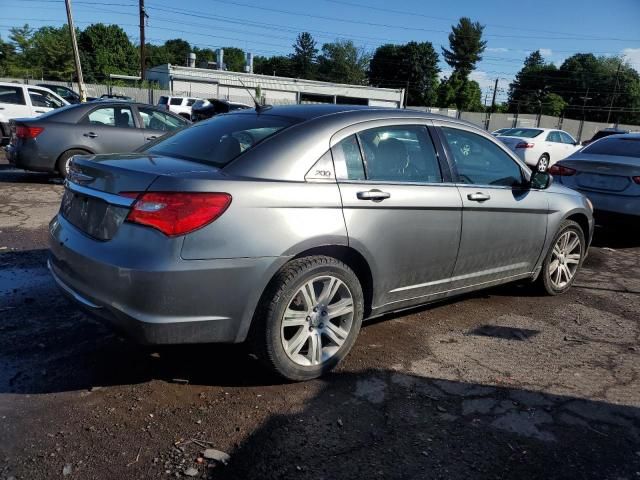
<point x="221" y="84"/>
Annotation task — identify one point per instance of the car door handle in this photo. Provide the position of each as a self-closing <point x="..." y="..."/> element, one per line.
<point x="375" y="195"/>
<point x="41" y="111"/>
<point x="152" y="137"/>
<point x="91" y="135"/>
<point x="478" y="197"/>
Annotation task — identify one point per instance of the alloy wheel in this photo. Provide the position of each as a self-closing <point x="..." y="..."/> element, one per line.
<point x="317" y="320"/>
<point x="565" y="259"/>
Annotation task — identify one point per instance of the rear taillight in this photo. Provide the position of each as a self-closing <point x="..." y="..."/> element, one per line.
<point x="176" y="213"/>
<point x="28" y="132"/>
<point x="525" y="145"/>
<point x="561" y="171"/>
<point x="636" y="180"/>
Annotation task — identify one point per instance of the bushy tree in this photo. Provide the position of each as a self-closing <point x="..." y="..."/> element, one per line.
<point x="342" y="62"/>
<point x="106" y="49"/>
<point x="177" y="51"/>
<point x="456" y="92"/>
<point x="304" y="56"/>
<point x="234" y="59"/>
<point x="534" y="81"/>
<point x="413" y="66"/>
<point x="280" y="66"/>
<point x="7" y="57"/>
<point x="51" y="53"/>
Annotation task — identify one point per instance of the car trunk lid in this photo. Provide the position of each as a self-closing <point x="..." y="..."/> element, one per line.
<point x="93" y="200"/>
<point x="603" y="172"/>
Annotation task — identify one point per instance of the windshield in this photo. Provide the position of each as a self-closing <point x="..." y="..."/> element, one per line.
<point x="221" y="139"/>
<point x="522" y="132"/>
<point x="616" y="146"/>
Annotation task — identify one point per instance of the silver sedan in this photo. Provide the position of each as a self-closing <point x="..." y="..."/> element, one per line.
<point x="289" y="226"/>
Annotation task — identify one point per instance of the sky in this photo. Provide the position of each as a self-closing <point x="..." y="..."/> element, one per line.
<point x="558" y="28"/>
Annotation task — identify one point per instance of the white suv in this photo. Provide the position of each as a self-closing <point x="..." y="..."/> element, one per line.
<point x="23" y="101"/>
<point x="178" y="105"/>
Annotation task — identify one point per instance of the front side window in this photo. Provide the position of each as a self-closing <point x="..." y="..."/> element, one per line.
<point x="479" y="161"/>
<point x="400" y="153"/>
<point x="155" y="120"/>
<point x="222" y="139"/>
<point x="120" y="117"/>
<point x="11" y="95"/>
<point x="566" y="138"/>
<point x="41" y="98"/>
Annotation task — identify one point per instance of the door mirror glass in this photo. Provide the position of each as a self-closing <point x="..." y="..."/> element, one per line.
<point x="540" y="180"/>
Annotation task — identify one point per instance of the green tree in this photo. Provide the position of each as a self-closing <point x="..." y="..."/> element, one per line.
<point x="7" y="58"/>
<point x="553" y="104"/>
<point x="534" y="81"/>
<point x="51" y="54"/>
<point x="465" y="47"/>
<point x="343" y="62"/>
<point x="177" y="51"/>
<point x="304" y="56"/>
<point x="280" y="66"/>
<point x="413" y="66"/>
<point x="21" y="38"/>
<point x="455" y="92"/>
<point x="106" y="49"/>
<point x="234" y="59"/>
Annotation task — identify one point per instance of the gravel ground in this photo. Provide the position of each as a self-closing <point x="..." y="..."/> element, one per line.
<point x="500" y="384"/>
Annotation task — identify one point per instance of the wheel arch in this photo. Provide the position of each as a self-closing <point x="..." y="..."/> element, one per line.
<point x="582" y="220"/>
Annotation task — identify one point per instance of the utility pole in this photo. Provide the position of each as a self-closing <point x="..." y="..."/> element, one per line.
<point x="615" y="88"/>
<point x="495" y="91"/>
<point x="143" y="18"/>
<point x="76" y="53"/>
<point x="584" y="105"/>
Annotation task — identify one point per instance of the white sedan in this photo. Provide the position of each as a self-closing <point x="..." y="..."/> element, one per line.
<point x="540" y="146"/>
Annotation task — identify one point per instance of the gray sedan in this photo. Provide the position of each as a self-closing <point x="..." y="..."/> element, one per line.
<point x="288" y="226"/>
<point x="608" y="172"/>
<point x="47" y="143"/>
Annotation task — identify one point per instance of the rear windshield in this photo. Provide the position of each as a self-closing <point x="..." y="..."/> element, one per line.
<point x="522" y="132"/>
<point x="617" y="146"/>
<point x="163" y="101"/>
<point x="221" y="139"/>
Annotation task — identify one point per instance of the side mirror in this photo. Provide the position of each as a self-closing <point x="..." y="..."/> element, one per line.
<point x="540" y="180"/>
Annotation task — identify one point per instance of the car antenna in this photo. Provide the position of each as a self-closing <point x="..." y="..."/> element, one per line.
<point x="259" y="108"/>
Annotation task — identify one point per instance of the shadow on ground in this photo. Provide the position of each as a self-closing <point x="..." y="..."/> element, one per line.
<point x="11" y="174"/>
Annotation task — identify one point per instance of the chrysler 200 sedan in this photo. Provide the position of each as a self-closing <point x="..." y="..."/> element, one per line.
<point x="288" y="226"/>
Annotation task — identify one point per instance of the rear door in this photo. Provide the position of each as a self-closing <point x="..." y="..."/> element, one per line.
<point x="110" y="129"/>
<point x="503" y="223"/>
<point x="13" y="103"/>
<point x="400" y="207"/>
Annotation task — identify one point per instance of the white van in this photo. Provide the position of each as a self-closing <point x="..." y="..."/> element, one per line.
<point x="24" y="101"/>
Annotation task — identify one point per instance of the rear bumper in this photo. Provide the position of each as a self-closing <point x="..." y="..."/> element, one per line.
<point x="28" y="157"/>
<point x="157" y="300"/>
<point x="610" y="203"/>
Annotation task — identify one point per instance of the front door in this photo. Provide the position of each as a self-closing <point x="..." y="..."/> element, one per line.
<point x="503" y="222"/>
<point x="111" y="129"/>
<point x="43" y="101"/>
<point x="401" y="211"/>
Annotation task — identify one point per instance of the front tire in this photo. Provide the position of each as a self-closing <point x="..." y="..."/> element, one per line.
<point x="564" y="259"/>
<point x="309" y="318"/>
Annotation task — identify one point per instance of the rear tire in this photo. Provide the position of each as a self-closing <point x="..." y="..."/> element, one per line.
<point x="308" y="318"/>
<point x="564" y="259"/>
<point x="543" y="163"/>
<point x="62" y="165"/>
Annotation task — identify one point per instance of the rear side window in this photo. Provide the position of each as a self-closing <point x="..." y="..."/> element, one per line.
<point x="163" y="100"/>
<point x="348" y="160"/>
<point x="176" y="101"/>
<point x="616" y="146"/>
<point x="222" y="139"/>
<point x="11" y="95"/>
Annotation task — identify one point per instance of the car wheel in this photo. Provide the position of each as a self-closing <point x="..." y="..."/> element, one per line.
<point x="563" y="260"/>
<point x="543" y="163"/>
<point x="309" y="318"/>
<point x="62" y="166"/>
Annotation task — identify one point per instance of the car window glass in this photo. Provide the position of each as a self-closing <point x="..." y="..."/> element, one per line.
<point x="155" y="120"/>
<point x="348" y="160"/>
<point x="120" y="117"/>
<point x="11" y="95"/>
<point x="554" y="137"/>
<point x="480" y="161"/>
<point x="566" y="138"/>
<point x="42" y="98"/>
<point x="176" y="101"/>
<point x="400" y="153"/>
<point x="522" y="132"/>
<point x="191" y="101"/>
<point x="163" y="100"/>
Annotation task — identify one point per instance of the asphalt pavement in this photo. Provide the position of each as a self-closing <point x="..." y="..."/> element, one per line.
<point x="501" y="384"/>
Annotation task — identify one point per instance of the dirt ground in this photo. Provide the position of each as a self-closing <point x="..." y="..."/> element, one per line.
<point x="502" y="384"/>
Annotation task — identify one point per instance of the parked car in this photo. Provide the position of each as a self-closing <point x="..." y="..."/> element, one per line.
<point x="47" y="143"/>
<point x="287" y="226"/>
<point x="608" y="172"/>
<point x="65" y="92"/>
<point x="500" y="131"/>
<point x="178" y="105"/>
<point x="540" y="147"/>
<point x="605" y="132"/>
<point x="18" y="100"/>
<point x="213" y="106"/>
<point x="115" y="96"/>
